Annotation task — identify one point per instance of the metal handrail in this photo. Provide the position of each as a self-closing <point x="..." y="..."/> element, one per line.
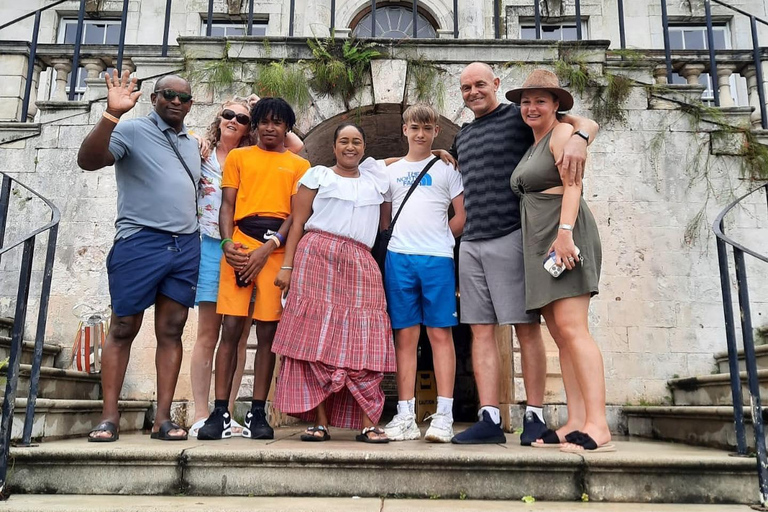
<point x="748" y="342"/>
<point x="19" y="320"/>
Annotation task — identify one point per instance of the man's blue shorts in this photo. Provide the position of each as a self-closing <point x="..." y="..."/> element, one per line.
<point x="210" y="269"/>
<point x="152" y="262"/>
<point x="420" y="290"/>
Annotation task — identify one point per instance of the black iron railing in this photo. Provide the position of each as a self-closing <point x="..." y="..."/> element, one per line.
<point x="748" y="342"/>
<point x="17" y="332"/>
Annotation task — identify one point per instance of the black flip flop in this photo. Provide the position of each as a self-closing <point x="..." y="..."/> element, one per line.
<point x="585" y="443"/>
<point x="363" y="436"/>
<point x="104" y="426"/>
<point x="165" y="428"/>
<point x="310" y="437"/>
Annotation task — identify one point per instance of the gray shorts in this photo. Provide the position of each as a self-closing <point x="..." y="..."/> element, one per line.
<point x="492" y="281"/>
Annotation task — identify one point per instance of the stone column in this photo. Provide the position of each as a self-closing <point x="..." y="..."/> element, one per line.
<point x="32" y="109"/>
<point x="724" y="72"/>
<point x="692" y="72"/>
<point x="62" y="67"/>
<point x="660" y="75"/>
<point x="127" y="65"/>
<point x="754" y="99"/>
<point x="93" y="67"/>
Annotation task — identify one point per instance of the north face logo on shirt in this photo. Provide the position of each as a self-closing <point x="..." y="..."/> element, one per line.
<point x="408" y="179"/>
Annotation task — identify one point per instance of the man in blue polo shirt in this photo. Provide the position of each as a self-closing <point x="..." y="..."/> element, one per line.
<point x="156" y="253"/>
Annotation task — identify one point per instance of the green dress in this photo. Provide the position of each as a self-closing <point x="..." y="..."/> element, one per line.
<point x="540" y="216"/>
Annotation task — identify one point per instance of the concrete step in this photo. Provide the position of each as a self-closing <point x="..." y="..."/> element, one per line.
<point x="99" y="503"/>
<point x="58" y="418"/>
<point x="700" y="426"/>
<point x="761" y="356"/>
<point x="60" y="383"/>
<point x="640" y="471"/>
<point x="713" y="389"/>
<point x="27" y="351"/>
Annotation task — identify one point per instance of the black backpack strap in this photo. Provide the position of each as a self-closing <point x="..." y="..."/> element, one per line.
<point x="411" y="190"/>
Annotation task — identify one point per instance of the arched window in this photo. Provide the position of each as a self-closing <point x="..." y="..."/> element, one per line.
<point x="395" y="22"/>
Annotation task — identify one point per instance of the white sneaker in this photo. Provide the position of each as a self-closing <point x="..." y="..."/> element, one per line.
<point x="440" y="429"/>
<point x="403" y="428"/>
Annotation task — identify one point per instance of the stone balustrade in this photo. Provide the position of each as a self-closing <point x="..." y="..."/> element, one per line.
<point x="14" y="58"/>
<point x="730" y="64"/>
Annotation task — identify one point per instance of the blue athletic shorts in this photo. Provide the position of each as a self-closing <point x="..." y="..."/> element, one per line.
<point x="151" y="262"/>
<point x="210" y="269"/>
<point x="420" y="290"/>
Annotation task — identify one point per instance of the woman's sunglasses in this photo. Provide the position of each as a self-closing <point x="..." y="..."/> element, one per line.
<point x="241" y="118"/>
<point x="170" y="94"/>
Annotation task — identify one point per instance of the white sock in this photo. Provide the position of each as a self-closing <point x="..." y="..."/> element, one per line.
<point x="493" y="412"/>
<point x="538" y="411"/>
<point x="445" y="406"/>
<point x="406" y="407"/>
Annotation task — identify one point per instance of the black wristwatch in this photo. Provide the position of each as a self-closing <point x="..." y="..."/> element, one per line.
<point x="584" y="135"/>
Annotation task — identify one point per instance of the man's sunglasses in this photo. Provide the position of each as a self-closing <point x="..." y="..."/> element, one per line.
<point x="170" y="94"/>
<point x="241" y="118"/>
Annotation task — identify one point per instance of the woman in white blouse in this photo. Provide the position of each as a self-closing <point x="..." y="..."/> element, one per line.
<point x="335" y="337"/>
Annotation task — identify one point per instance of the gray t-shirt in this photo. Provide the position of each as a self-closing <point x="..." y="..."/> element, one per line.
<point x="153" y="188"/>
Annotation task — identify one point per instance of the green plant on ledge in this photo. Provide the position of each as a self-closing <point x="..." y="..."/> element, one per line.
<point x="338" y="68"/>
<point x="427" y="85"/>
<point x="216" y="74"/>
<point x="279" y="79"/>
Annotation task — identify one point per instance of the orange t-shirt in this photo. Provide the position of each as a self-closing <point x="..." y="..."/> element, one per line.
<point x="265" y="180"/>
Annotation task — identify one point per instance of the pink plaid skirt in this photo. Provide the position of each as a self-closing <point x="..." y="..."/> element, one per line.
<point x="335" y="336"/>
<point x="302" y="386"/>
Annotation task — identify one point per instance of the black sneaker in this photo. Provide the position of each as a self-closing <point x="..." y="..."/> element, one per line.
<point x="217" y="426"/>
<point x="484" y="431"/>
<point x="533" y="429"/>
<point x="256" y="426"/>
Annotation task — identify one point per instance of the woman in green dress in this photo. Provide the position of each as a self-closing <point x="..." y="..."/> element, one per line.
<point x="557" y="224"/>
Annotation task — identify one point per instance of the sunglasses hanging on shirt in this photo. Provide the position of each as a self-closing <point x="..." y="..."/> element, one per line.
<point x="241" y="118"/>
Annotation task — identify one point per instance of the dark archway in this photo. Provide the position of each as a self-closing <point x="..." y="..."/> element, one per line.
<point x="383" y="130"/>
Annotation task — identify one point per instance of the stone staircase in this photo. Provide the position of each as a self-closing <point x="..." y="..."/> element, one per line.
<point x="702" y="407"/>
<point x="68" y="401"/>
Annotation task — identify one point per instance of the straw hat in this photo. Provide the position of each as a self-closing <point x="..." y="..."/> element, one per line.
<point x="546" y="81"/>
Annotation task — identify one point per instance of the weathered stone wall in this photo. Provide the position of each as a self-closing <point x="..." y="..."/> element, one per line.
<point x="658" y="313"/>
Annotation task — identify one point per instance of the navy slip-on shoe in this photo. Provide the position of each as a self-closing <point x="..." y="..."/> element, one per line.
<point x="484" y="431"/>
<point x="533" y="429"/>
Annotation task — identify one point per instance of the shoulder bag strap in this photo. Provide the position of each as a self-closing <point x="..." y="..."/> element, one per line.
<point x="181" y="159"/>
<point x="411" y="190"/>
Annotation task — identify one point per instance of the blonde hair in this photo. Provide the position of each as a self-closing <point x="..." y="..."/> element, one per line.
<point x="421" y="113"/>
<point x="213" y="134"/>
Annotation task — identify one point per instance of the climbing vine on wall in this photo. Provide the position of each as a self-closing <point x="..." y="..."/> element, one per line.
<point x="428" y="85"/>
<point x="608" y="95"/>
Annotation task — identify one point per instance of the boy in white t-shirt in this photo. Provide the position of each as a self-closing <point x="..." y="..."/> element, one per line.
<point x="420" y="280"/>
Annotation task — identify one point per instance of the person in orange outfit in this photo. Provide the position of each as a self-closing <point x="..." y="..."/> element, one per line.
<point x="254" y="220"/>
